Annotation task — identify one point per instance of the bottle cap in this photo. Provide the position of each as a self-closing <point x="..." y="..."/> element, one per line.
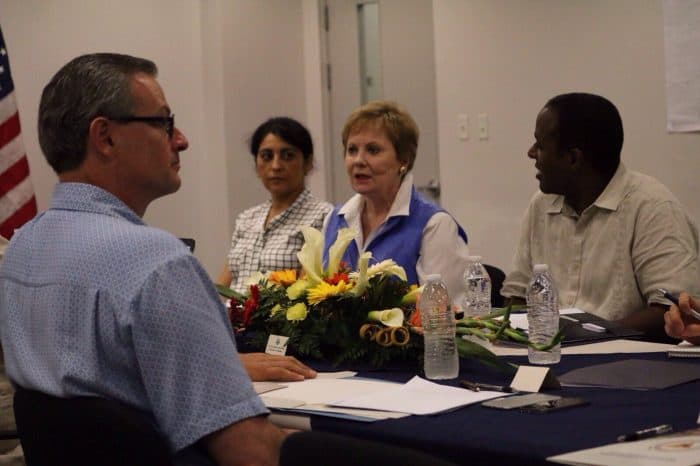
<point x="474" y="258"/>
<point x="433" y="277"/>
<point x="540" y="268"/>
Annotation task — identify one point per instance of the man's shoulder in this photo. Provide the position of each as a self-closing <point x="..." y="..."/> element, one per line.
<point x="647" y="188"/>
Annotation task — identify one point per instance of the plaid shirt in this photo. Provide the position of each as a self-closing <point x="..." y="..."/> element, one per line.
<point x="257" y="248"/>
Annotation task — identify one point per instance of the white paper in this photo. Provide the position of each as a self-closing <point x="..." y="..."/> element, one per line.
<point x="602" y="347"/>
<point x="324" y="391"/>
<point x="682" y="449"/>
<point x="682" y="53"/>
<point x="417" y="396"/>
<point x="520" y="320"/>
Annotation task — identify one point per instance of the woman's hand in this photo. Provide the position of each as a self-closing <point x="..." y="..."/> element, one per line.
<point x="267" y="367"/>
<point x="680" y="323"/>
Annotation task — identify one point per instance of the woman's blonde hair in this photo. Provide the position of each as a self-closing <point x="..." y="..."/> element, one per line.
<point x="399" y="126"/>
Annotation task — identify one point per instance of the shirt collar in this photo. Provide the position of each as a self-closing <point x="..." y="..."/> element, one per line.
<point x="282" y="216"/>
<point x="609" y="199"/>
<point x="90" y="198"/>
<point x="614" y="192"/>
<point x="400" y="207"/>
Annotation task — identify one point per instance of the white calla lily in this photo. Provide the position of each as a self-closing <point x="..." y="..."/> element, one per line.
<point x="390" y="317"/>
<point x="360" y="277"/>
<point x="336" y="251"/>
<point x="311" y="254"/>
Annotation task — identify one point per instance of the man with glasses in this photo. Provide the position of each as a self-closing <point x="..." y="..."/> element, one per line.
<point x="93" y="302"/>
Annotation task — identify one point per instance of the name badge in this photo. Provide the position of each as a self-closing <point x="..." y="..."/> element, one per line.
<point x="277" y="344"/>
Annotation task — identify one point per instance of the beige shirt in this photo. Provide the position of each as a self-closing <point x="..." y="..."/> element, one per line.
<point x="610" y="260"/>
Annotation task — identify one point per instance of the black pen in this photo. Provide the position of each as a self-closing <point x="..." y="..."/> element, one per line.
<point x="495" y="388"/>
<point x="646" y="433"/>
<point x="674" y="300"/>
<point x="477" y="387"/>
<point x="469" y="385"/>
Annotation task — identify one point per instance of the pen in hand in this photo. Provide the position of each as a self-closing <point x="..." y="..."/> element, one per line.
<point x="646" y="433"/>
<point x="674" y="300"/>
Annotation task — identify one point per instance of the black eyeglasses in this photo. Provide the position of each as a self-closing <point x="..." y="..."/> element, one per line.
<point x="167" y="122"/>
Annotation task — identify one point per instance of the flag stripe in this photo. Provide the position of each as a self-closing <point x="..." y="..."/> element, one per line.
<point x="14" y="176"/>
<point x="18" y="218"/>
<point x="9" y="129"/>
<point x="11" y="153"/>
<point x="8" y="106"/>
<point x="17" y="201"/>
<point x="16" y="197"/>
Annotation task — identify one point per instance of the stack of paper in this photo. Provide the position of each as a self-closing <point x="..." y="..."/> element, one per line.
<point x="369" y="400"/>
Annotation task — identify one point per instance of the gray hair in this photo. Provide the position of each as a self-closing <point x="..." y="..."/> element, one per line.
<point x="86" y="87"/>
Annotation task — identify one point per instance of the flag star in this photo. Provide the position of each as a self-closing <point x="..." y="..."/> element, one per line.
<point x="3" y="52"/>
<point x="2" y="69"/>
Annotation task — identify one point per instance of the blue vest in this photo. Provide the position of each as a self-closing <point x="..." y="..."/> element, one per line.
<point x="399" y="238"/>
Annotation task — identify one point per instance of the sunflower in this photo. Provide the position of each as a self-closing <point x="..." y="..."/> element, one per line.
<point x="283" y="277"/>
<point x="324" y="290"/>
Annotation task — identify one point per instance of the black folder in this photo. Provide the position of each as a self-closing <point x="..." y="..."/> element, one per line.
<point x="575" y="334"/>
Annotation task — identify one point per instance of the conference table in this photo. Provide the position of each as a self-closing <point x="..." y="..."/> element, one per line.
<point x="478" y="435"/>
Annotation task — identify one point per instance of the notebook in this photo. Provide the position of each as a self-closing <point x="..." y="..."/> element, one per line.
<point x="575" y="333"/>
<point x="684" y="351"/>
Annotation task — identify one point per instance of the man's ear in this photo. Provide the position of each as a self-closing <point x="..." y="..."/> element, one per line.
<point x="100" y="137"/>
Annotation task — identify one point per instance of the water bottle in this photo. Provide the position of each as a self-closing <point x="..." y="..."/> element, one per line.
<point x="542" y="315"/>
<point x="477" y="289"/>
<point x="440" y="354"/>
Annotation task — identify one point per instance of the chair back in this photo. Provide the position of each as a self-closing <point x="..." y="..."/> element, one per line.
<point x="497" y="277"/>
<point x="189" y="242"/>
<point x="86" y="431"/>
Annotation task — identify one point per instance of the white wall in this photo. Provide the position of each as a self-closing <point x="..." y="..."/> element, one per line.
<point x="506" y="58"/>
<point x="225" y="66"/>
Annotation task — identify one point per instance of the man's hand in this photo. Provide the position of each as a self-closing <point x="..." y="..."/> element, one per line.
<point x="680" y="323"/>
<point x="267" y="367"/>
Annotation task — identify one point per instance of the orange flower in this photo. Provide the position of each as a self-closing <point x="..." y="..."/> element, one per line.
<point x="283" y="277"/>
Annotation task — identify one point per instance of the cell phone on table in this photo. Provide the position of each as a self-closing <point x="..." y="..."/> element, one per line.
<point x="519" y="401"/>
<point x="554" y="405"/>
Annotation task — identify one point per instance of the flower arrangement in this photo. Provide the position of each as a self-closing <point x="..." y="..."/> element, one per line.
<point x="342" y="315"/>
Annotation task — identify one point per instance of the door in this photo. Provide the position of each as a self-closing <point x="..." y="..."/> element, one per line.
<point x="388" y="46"/>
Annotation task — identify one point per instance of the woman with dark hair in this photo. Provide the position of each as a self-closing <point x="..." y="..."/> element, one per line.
<point x="267" y="237"/>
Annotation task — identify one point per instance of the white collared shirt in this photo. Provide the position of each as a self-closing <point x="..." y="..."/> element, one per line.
<point x="442" y="249"/>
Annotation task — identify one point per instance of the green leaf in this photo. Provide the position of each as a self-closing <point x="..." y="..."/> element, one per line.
<point x="470" y="350"/>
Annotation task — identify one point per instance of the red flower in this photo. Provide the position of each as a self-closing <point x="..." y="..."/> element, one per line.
<point x="250" y="304"/>
<point x="337" y="278"/>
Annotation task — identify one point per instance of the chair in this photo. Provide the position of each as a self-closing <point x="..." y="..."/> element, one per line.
<point x="86" y="431"/>
<point x="305" y="448"/>
<point x="497" y="277"/>
<point x="189" y="242"/>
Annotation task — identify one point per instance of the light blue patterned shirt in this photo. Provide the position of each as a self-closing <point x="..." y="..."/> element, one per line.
<point x="95" y="302"/>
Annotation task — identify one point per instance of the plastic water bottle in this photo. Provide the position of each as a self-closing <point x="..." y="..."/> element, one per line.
<point x="542" y="315"/>
<point x="477" y="289"/>
<point x="440" y="355"/>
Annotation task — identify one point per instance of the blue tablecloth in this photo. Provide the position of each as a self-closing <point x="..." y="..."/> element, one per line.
<point x="477" y="435"/>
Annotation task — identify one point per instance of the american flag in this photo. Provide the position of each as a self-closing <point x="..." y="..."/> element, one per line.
<point x="17" y="201"/>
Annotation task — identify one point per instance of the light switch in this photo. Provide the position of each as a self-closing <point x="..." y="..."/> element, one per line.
<point x="462" y="126"/>
<point x="483" y="122"/>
